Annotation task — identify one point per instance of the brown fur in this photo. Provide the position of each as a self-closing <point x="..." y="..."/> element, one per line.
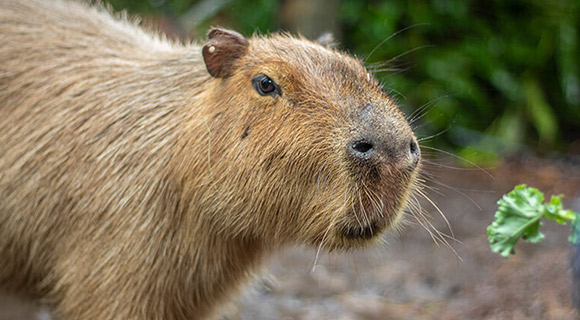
<point x="134" y="185"/>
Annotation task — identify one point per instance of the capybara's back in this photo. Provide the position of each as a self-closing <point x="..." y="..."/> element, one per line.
<point x="88" y="128"/>
<point x="144" y="179"/>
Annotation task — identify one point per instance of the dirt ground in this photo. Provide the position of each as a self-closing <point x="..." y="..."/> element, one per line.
<point x="411" y="276"/>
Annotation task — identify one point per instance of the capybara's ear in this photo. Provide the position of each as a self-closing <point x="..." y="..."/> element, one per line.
<point x="222" y="49"/>
<point x="326" y="40"/>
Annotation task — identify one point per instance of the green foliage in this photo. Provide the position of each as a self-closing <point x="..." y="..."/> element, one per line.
<point x="507" y="64"/>
<point x="518" y="216"/>
<point x="506" y="72"/>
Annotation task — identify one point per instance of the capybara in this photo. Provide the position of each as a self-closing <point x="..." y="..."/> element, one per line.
<point x="142" y="178"/>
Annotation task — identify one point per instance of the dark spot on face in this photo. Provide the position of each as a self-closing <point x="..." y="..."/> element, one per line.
<point x="273" y="160"/>
<point x="78" y="93"/>
<point x="246" y="133"/>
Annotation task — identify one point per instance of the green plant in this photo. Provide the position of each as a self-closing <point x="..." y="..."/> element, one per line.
<point x="518" y="216"/>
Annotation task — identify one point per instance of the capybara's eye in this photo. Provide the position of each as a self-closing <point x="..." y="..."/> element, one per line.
<point x="265" y="86"/>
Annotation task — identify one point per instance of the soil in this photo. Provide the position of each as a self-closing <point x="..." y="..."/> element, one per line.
<point x="411" y="276"/>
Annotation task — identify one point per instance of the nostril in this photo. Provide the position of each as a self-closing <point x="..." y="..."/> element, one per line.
<point x="414" y="148"/>
<point x="362" y="146"/>
<point x="362" y="151"/>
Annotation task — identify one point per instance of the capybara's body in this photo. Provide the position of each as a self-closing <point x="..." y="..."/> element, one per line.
<point x="143" y="179"/>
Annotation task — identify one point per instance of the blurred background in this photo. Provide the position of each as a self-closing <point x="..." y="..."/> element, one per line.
<point x="493" y="89"/>
<point x="494" y="77"/>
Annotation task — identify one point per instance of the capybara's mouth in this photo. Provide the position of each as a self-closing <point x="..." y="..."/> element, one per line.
<point x="375" y="208"/>
<point x="370" y="218"/>
<point x="362" y="231"/>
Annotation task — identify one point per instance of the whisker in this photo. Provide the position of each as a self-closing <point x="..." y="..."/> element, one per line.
<point x="427" y="162"/>
<point x="391" y="91"/>
<point x="364" y="212"/>
<point x="391" y="36"/>
<point x="443" y="238"/>
<point x="434" y="135"/>
<point x="438" y="210"/>
<point x="319" y="249"/>
<point x="420" y="218"/>
<point x="354" y="210"/>
<point x="427" y="107"/>
<point x="383" y="67"/>
<point x="388" y="66"/>
<point x="381" y="64"/>
<point x="433" y="189"/>
<point x="420" y="214"/>
<point x="318" y="176"/>
<point x="431" y="234"/>
<point x="433" y="180"/>
<point x="330" y="225"/>
<point x="416" y="203"/>
<point x="458" y="191"/>
<point x="377" y="202"/>
<point x="391" y="71"/>
<point x="422" y="111"/>
<point x="395" y="58"/>
<point x="435" y="234"/>
<point x="460" y="158"/>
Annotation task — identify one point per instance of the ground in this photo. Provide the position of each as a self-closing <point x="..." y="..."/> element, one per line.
<point x="411" y="276"/>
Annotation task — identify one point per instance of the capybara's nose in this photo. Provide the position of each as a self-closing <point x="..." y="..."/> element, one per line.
<point x="378" y="139"/>
<point x="414" y="152"/>
<point x="372" y="151"/>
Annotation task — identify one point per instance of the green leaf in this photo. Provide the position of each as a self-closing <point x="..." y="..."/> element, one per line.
<point x="519" y="214"/>
<point x="517" y="217"/>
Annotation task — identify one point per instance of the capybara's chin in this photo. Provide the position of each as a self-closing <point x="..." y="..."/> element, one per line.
<point x="377" y="205"/>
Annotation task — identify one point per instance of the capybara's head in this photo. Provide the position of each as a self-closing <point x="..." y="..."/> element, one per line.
<point x="304" y="146"/>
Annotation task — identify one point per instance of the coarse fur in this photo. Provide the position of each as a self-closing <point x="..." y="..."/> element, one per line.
<point x="135" y="185"/>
